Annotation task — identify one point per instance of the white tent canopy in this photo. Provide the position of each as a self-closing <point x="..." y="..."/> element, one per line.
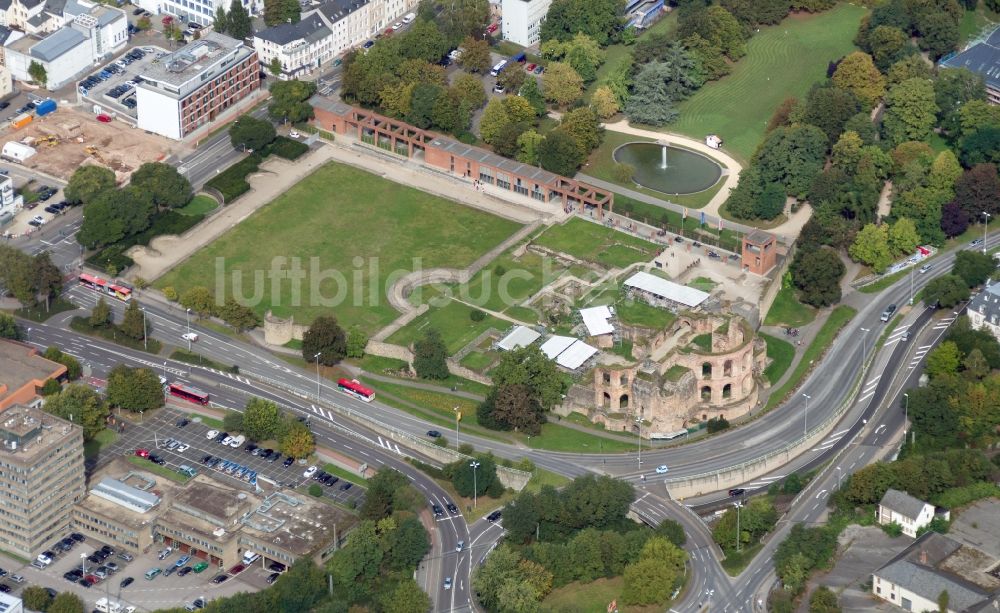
<point x="520" y="336"/>
<point x="556" y="345"/>
<point x="666" y="290"/>
<point x="574" y="357"/>
<point x="596" y="320"/>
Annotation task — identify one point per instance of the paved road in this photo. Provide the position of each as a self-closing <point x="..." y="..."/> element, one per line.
<point x="212" y="156"/>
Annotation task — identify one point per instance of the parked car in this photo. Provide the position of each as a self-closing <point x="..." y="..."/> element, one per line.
<point x="494" y="516"/>
<point x="310" y="472"/>
<point x="220" y="579"/>
<point x="184" y="571"/>
<point x="288" y="461"/>
<point x="127" y="581"/>
<point x="142" y="453"/>
<point x="211" y="434"/>
<point x="272" y="578"/>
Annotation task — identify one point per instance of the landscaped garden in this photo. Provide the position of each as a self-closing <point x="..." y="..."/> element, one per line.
<point x="781" y="61"/>
<point x="595" y="243"/>
<point x="331" y="219"/>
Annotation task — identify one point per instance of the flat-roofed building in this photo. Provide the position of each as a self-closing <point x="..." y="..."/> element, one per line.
<point x="23" y="372"/>
<point x="123" y="507"/>
<point x="10" y="604"/>
<point x="41" y="478"/>
<point x="190" y="87"/>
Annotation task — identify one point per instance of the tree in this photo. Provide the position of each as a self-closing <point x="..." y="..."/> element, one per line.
<point x="422" y="102"/>
<point x="888" y="45"/>
<point x="946" y="291"/>
<point x="238" y="316"/>
<point x="466" y="483"/>
<point x="134" y="389"/>
<point x="101" y="315"/>
<point x="357" y="340"/>
<point x="816" y="273"/>
<point x="87" y="182"/>
<point x="430" y="356"/>
<point x="954" y="89"/>
<point x="529" y="366"/>
<point x="974" y="267"/>
<point x="36" y="598"/>
<point x="939" y="35"/>
<point x="903" y="237"/>
<point x="220" y="23"/>
<point x="290" y="100"/>
<point x="561" y="84"/>
<point x="871" y="247"/>
<point x="81" y="405"/>
<point x="584" y="127"/>
<point x="298" y="441"/>
<point x="945" y="171"/>
<point x="513" y="78"/>
<point x="829" y="108"/>
<point x="598" y="19"/>
<point x="527" y="146"/>
<point x="505" y="143"/>
<point x="9" y="328"/>
<point x="326" y="338"/>
<point x="475" y="56"/>
<point x="792" y="157"/>
<point x="165" y="185"/>
<point x="512" y="407"/>
<point x="559" y="153"/>
<point x="910" y="111"/>
<point x="954" y="220"/>
<point x="942" y="602"/>
<point x="470" y="90"/>
<point x="463" y="18"/>
<point x="38" y="73"/>
<point x="114" y="214"/>
<point x="281" y="11"/>
<point x="981" y="147"/>
<point x="943" y="360"/>
<point x="406" y="597"/>
<point x="493" y="121"/>
<point x="199" y="299"/>
<point x="261" y="419"/>
<point x="380" y="498"/>
<point x="250" y="133"/>
<point x="518" y="109"/>
<point x="604" y="102"/>
<point x="581" y="52"/>
<point x="73" y="368"/>
<point x="823" y="600"/>
<point x="232" y="421"/>
<point x="911" y="67"/>
<point x="134" y="324"/>
<point x="238" y="24"/>
<point x="857" y="74"/>
<point x="66" y="602"/>
<point x="978" y="191"/>
<point x="47" y="279"/>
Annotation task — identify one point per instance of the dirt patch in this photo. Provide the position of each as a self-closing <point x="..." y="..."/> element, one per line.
<point x="68" y="139"/>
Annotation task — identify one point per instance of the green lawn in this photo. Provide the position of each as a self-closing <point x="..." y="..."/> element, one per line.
<point x="596" y="243"/>
<point x="351" y="231"/>
<point x="788" y="311"/>
<point x="975" y="23"/>
<point x="199" y="205"/>
<point x="211" y="422"/>
<point x="345" y="474"/>
<point x="478" y="360"/>
<point x="453" y="322"/>
<point x="94" y="446"/>
<point x="508" y="280"/>
<point x="781" y="353"/>
<point x="838" y="319"/>
<point x="782" y="60"/>
<point x="156" y="469"/>
<point x="592" y="597"/>
<point x="638" y="313"/>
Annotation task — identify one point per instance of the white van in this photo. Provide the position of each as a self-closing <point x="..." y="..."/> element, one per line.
<point x="409" y="17"/>
<point x="107" y="606"/>
<point x="237" y="442"/>
<point x="498" y="68"/>
<point x="249" y="557"/>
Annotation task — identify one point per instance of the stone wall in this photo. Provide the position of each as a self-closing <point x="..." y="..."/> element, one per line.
<point x="388" y="350"/>
<point x="278" y="331"/>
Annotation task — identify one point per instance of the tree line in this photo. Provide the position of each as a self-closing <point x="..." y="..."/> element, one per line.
<point x="263" y="420"/>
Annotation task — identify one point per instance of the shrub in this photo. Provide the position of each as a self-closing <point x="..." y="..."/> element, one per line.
<point x="232" y="182"/>
<point x="170" y="293"/>
<point x="477" y="315"/>
<point x="718" y="424"/>
<point x="892" y="529"/>
<point x="315" y="490"/>
<point x="441" y="441"/>
<point x="287" y="148"/>
<point x="624" y="172"/>
<point x="955" y="497"/>
<point x="140" y="283"/>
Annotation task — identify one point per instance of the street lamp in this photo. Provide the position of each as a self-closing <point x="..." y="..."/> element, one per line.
<point x="911" y="283"/>
<point x="458" y="416"/>
<point x="164" y="371"/>
<point x="840" y="473"/>
<point x="985" y="227"/>
<point x="805" y="417"/>
<point x="188" y="311"/>
<point x="906" y="412"/>
<point x="83" y="563"/>
<point x="316" y="357"/>
<point x="864" y="354"/>
<point x="145" y="346"/>
<point x="27" y="335"/>
<point x="638" y="420"/>
<point x="475" y="484"/>
<point x="738" y="507"/>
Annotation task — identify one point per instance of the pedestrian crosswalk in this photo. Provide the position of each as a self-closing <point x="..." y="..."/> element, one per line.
<point x="869" y="389"/>
<point x="919" y="355"/>
<point x="941" y="324"/>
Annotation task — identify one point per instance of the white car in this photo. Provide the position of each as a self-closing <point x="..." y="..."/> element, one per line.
<point x="38" y="219"/>
<point x="189" y="336"/>
<point x="310" y="472"/>
<point x="211" y="434"/>
<point x="182" y="448"/>
<point x="924" y="268"/>
<point x="447" y="583"/>
<point x="227" y="440"/>
<point x="294" y="133"/>
<point x="661" y="469"/>
<point x="460" y="546"/>
<point x="397" y="25"/>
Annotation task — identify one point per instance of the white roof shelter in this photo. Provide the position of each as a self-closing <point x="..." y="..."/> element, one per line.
<point x="596" y="320"/>
<point x="666" y="290"/>
<point x="574" y="357"/>
<point x="520" y="336"/>
<point x="556" y="345"/>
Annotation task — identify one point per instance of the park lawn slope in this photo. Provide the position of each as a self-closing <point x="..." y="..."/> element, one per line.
<point x="351" y="232"/>
<point x="782" y="61"/>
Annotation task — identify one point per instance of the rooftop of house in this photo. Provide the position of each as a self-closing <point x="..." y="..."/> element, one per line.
<point x="21" y="365"/>
<point x="192" y="59"/>
<point x="28" y="433"/>
<point x="310" y="29"/>
<point x="902" y="503"/>
<point x="982" y="58"/>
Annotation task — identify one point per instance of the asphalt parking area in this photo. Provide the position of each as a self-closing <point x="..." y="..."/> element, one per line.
<point x="154" y="431"/>
<point x="161" y="592"/>
<point x="98" y="93"/>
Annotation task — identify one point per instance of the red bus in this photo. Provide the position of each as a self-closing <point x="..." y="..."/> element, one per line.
<point x="118" y="292"/>
<point x="354" y="388"/>
<point x="188" y="393"/>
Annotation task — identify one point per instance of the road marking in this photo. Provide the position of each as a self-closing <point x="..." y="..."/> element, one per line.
<point x="862" y="399"/>
<point x="820" y="494"/>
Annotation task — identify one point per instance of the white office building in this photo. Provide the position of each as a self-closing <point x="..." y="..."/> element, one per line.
<point x="522" y="20"/>
<point x="327" y="29"/>
<point x="201" y="12"/>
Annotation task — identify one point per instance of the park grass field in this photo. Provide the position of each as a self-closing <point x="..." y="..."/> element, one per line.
<point x="596" y="243"/>
<point x="783" y="60"/>
<point x="453" y="321"/>
<point x="357" y="226"/>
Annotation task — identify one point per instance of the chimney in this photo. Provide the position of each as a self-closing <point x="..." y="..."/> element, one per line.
<point x="923" y="557"/>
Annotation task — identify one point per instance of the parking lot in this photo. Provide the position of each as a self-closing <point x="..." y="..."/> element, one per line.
<point x="157" y="593"/>
<point x="113" y="85"/>
<point x="153" y="433"/>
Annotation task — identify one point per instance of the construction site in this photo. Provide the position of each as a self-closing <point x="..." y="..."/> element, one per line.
<point x="68" y="139"/>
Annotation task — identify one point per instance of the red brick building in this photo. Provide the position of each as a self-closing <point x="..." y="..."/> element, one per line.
<point x="760" y="252"/>
<point x="458" y="158"/>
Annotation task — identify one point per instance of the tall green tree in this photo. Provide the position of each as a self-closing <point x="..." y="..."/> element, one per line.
<point x="238" y="24"/>
<point x="220" y="22"/>
<point x="165" y="185"/>
<point x="463" y="18"/>
<point x="66" y="602"/>
<point x="73" y="368"/>
<point x="561" y="84"/>
<point x="134" y="389"/>
<point x="430" y="356"/>
<point x="87" y="182"/>
<point x="599" y="19"/>
<point x="946" y="291"/>
<point x="559" y="153"/>
<point x="281" y="11"/>
<point x="871" y="247"/>
<point x="251" y="133"/>
<point x="406" y="597"/>
<point x="475" y="56"/>
<point x="81" y="405"/>
<point x="290" y="100"/>
<point x="134" y="323"/>
<point x="857" y="74"/>
<point x="36" y="598"/>
<point x="101" y="315"/>
<point x="297" y="441"/>
<point x="974" y="267"/>
<point x="911" y="111"/>
<point x="326" y="338"/>
<point x="9" y="328"/>
<point x="38" y="74"/>
<point x="261" y="419"/>
<point x="816" y="273"/>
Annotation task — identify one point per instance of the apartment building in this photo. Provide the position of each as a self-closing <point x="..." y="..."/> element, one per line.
<point x="24" y="372"/>
<point x="522" y="20"/>
<point x="189" y="88"/>
<point x="327" y="29"/>
<point x="41" y="478"/>
<point x="910" y="513"/>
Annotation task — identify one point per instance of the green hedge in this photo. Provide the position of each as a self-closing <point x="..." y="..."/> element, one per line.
<point x="232" y="182"/>
<point x="167" y="222"/>
<point x="287" y="148"/>
<point x="955" y="497"/>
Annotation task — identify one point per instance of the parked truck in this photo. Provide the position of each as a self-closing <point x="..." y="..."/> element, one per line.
<point x="21" y="120"/>
<point x="45" y="107"/>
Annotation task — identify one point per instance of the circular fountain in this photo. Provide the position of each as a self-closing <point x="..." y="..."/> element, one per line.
<point x="669" y="169"/>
